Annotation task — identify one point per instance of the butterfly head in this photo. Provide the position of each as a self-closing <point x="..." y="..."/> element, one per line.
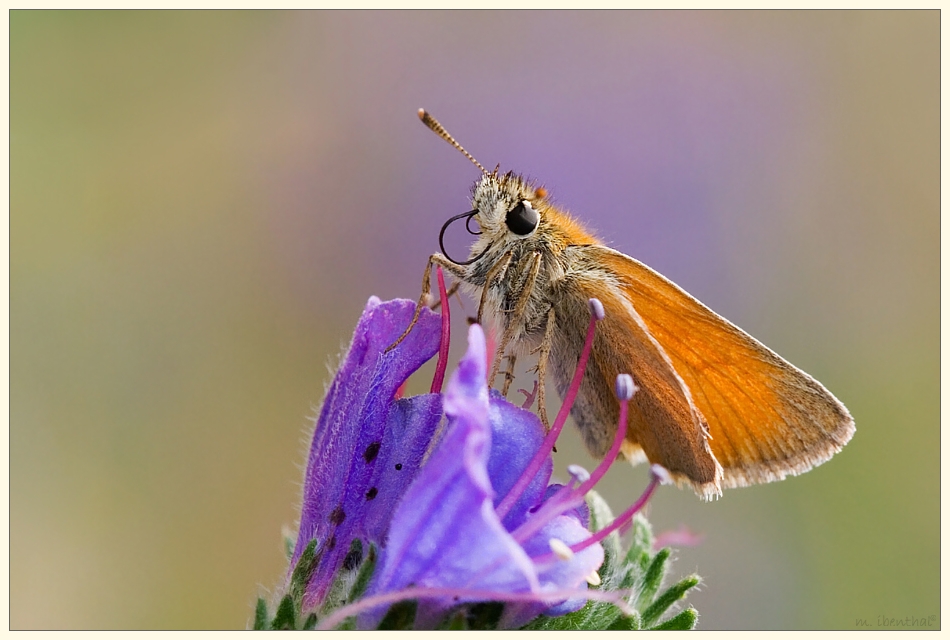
<point x="508" y="207"/>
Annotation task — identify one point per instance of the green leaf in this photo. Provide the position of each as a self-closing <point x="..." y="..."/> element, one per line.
<point x="302" y="572"/>
<point x="668" y="599"/>
<point x="364" y="575"/>
<point x="683" y="621"/>
<point x="641" y="543"/>
<point x="457" y="621"/>
<point x="310" y="623"/>
<point x="286" y="616"/>
<point x="652" y="578"/>
<point x="290" y="541"/>
<point x="344" y="579"/>
<point x="485" y="615"/>
<point x="593" y="616"/>
<point x="626" y="623"/>
<point x="400" y="616"/>
<point x="611" y="571"/>
<point x="260" y="615"/>
<point x="567" y="622"/>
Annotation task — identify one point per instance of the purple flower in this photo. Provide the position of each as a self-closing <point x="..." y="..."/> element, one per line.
<point x="467" y="516"/>
<point x="446" y="533"/>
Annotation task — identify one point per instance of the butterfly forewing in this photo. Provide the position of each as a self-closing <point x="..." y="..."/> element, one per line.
<point x="766" y="418"/>
<point x="663" y="423"/>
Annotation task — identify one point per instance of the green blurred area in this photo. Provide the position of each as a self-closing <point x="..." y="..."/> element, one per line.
<point x="201" y="202"/>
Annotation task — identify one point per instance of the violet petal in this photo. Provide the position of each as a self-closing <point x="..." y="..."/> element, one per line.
<point x="557" y="574"/>
<point x="445" y="531"/>
<point x="516" y="435"/>
<point x="347" y="443"/>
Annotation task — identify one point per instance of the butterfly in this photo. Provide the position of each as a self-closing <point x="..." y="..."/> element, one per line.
<point x="715" y="407"/>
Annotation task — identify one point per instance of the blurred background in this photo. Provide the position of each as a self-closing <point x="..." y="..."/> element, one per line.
<point x="202" y="202"/>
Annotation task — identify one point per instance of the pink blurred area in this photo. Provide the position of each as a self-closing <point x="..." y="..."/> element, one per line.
<point x="202" y="202"/>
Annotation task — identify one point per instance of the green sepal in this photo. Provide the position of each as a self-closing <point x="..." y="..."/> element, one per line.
<point x="342" y="585"/>
<point x="641" y="543"/>
<point x="484" y="615"/>
<point x="400" y="616"/>
<point x="310" y="623"/>
<point x="365" y="574"/>
<point x="652" y="579"/>
<point x="300" y="576"/>
<point x="612" y="570"/>
<point x="593" y="616"/>
<point x="456" y="621"/>
<point x="685" y="620"/>
<point x="290" y="541"/>
<point x="626" y="623"/>
<point x="260" y="615"/>
<point x="667" y="599"/>
<point x="358" y="585"/>
<point x="286" y="616"/>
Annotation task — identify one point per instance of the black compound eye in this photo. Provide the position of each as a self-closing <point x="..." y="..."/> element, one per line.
<point x="522" y="220"/>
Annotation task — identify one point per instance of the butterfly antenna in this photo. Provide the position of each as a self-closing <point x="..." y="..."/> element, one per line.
<point x="433" y="124"/>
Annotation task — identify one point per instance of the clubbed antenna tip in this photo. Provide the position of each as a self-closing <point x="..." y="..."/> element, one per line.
<point x="440" y="131"/>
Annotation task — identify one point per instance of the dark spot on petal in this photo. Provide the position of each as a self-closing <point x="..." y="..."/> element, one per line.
<point x="399" y="467"/>
<point x="353" y="558"/>
<point x="372" y="493"/>
<point x="338" y="515"/>
<point x="331" y="543"/>
<point x="554" y="449"/>
<point x="371" y="452"/>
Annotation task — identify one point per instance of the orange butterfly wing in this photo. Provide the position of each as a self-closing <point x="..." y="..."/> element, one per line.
<point x="663" y="423"/>
<point x="766" y="418"/>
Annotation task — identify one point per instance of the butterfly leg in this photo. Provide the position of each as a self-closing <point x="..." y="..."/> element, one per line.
<point x="497" y="272"/>
<point x="543" y="352"/>
<point x="514" y="321"/>
<point x="509" y="374"/>
<point x="448" y="294"/>
<point x="438" y="259"/>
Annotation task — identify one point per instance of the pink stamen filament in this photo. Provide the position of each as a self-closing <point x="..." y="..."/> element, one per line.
<point x="618" y="598"/>
<point x="541" y="455"/>
<point x="618" y="522"/>
<point x="567" y="498"/>
<point x="446" y="337"/>
<point x="601" y="469"/>
<point x="622" y="519"/>
<point x="489" y="349"/>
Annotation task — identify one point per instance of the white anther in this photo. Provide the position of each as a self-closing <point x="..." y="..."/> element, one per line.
<point x="596" y="308"/>
<point x="593" y="579"/>
<point x="579" y="473"/>
<point x="624" y="386"/>
<point x="560" y="549"/>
